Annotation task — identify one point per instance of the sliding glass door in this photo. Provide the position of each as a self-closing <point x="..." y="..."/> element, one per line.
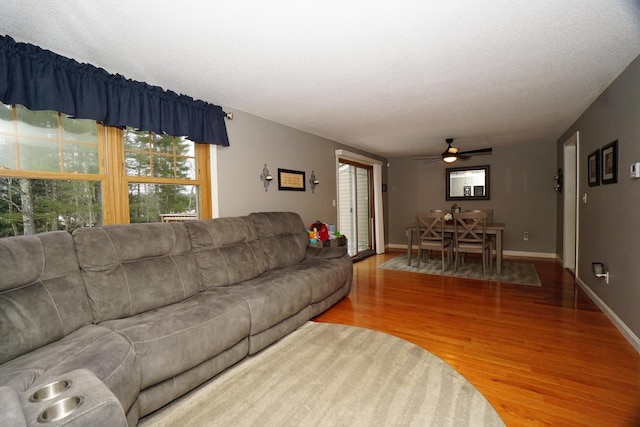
<point x="355" y="207"/>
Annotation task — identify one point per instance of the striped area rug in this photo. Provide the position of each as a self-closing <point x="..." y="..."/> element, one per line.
<point x="334" y="375"/>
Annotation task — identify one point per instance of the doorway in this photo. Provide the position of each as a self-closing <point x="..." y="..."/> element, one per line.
<point x="570" y="203"/>
<point x="355" y="207"/>
<point x="376" y="214"/>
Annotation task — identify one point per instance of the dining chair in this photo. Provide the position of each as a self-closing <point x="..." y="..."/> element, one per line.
<point x="489" y="220"/>
<point x="431" y="236"/>
<point x="443" y="211"/>
<point x="489" y="213"/>
<point x="470" y="234"/>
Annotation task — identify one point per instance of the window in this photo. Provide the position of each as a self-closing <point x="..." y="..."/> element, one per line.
<point x="160" y="171"/>
<point x="61" y="173"/>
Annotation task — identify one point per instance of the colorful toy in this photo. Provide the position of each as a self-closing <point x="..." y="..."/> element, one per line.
<point x="313" y="235"/>
<point x="320" y="231"/>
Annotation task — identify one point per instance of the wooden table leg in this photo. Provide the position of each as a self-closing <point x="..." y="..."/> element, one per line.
<point x="409" y="245"/>
<point x="499" y="251"/>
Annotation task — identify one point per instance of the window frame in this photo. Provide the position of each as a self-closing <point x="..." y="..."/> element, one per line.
<point x="113" y="178"/>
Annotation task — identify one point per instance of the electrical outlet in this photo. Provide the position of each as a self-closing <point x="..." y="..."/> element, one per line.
<point x="525" y="236"/>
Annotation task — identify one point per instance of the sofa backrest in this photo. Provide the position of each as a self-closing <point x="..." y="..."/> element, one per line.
<point x="132" y="268"/>
<point x="227" y="250"/>
<point x="42" y="296"/>
<point x="283" y="236"/>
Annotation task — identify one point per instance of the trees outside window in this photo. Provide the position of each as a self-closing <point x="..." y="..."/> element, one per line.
<point x="153" y="202"/>
<point x="29" y="206"/>
<point x="61" y="173"/>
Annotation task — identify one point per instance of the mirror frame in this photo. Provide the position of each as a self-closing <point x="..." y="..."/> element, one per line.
<point x="486" y="195"/>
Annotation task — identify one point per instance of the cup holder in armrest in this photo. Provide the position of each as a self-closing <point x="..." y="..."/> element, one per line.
<point x="50" y="391"/>
<point x="60" y="409"/>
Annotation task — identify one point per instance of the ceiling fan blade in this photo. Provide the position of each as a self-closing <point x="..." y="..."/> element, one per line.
<point x="426" y="157"/>
<point x="451" y="154"/>
<point x="478" y="151"/>
<point x="431" y="160"/>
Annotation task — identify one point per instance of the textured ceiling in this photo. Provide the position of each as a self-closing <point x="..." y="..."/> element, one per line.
<point x="394" y="78"/>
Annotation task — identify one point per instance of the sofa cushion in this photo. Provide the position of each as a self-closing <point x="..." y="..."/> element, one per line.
<point x="42" y="296"/>
<point x="109" y="355"/>
<point x="283" y="236"/>
<point x="171" y="339"/>
<point x="11" y="412"/>
<point x="133" y="268"/>
<point x="227" y="251"/>
<point x="158" y="395"/>
<point x="324" y="276"/>
<point x="273" y="297"/>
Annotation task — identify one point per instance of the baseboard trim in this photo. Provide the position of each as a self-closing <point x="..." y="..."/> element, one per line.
<point x="613" y="317"/>
<point x="530" y="254"/>
<point x="396" y="246"/>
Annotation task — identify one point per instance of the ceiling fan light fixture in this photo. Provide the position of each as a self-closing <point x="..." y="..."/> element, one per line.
<point x="449" y="158"/>
<point x="453" y="154"/>
<point x="450" y="155"/>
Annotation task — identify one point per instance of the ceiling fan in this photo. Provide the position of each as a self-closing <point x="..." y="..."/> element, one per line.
<point x="451" y="154"/>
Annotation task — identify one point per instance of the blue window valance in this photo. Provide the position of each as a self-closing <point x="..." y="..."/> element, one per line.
<point x="42" y="80"/>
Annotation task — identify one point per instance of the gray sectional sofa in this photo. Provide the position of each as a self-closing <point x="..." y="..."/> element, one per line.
<point x="118" y="321"/>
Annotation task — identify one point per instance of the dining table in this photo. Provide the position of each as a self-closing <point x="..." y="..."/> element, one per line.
<point x="494" y="229"/>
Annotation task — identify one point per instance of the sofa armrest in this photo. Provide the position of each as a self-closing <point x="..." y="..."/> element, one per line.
<point x="326" y="253"/>
<point x="11" y="412"/>
<point x="97" y="405"/>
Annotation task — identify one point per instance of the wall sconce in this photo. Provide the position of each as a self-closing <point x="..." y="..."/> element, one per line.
<point x="313" y="181"/>
<point x="266" y="177"/>
<point x="598" y="271"/>
<point x="558" y="182"/>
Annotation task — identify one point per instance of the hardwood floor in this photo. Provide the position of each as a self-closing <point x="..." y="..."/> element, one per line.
<point x="541" y="355"/>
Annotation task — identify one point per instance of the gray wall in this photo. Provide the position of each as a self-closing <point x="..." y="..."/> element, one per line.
<point x="255" y="141"/>
<point x="522" y="194"/>
<point x="608" y="226"/>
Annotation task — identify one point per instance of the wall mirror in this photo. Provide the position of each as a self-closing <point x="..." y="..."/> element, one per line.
<point x="468" y="183"/>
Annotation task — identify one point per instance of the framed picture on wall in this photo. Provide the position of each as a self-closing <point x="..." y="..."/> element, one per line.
<point x="291" y="180"/>
<point x="593" y="168"/>
<point x="609" y="157"/>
